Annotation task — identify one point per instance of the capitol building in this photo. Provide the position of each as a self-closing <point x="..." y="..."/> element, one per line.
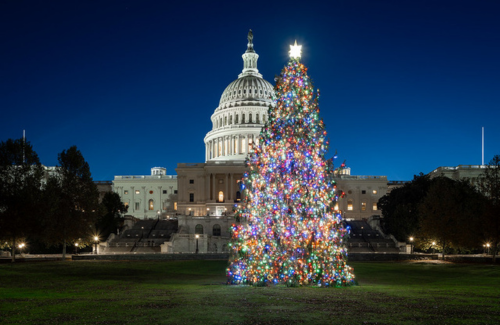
<point x="203" y="196"/>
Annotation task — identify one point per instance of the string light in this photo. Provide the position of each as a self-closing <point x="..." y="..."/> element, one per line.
<point x="290" y="230"/>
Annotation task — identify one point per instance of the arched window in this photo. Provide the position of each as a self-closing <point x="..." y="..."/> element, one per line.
<point x="242" y="118"/>
<point x="221" y="196"/>
<point x="225" y="120"/>
<point x="151" y="204"/>
<point x="236" y="119"/>
<point x="349" y="205"/>
<point x="250" y="118"/>
<point x="257" y="118"/>
<point x="216" y="230"/>
<point x="198" y="229"/>
<point x="238" y="196"/>
<point x="230" y="119"/>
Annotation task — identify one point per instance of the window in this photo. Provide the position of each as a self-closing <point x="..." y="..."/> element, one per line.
<point x="256" y="118"/>
<point x="238" y="196"/>
<point x="191" y="181"/>
<point x="198" y="229"/>
<point x="363" y="192"/>
<point x="225" y="120"/>
<point x="151" y="205"/>
<point x="375" y="206"/>
<point x="126" y="204"/>
<point x="216" y="230"/>
<point x="175" y="192"/>
<point x="137" y="192"/>
<point x="137" y="205"/>
<point x="125" y="192"/>
<point x="164" y="191"/>
<point x="191" y="197"/>
<point x="374" y="191"/>
<point x="349" y="205"/>
<point x="242" y="118"/>
<point x="221" y="196"/>
<point x="236" y="119"/>
<point x="250" y="118"/>
<point x="175" y="206"/>
<point x="230" y="119"/>
<point x="363" y="206"/>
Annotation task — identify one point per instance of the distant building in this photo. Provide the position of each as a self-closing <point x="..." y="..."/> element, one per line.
<point x="361" y="195"/>
<point x="148" y="196"/>
<point x="470" y="173"/>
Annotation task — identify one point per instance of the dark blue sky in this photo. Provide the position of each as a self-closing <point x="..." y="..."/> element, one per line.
<point x="405" y="85"/>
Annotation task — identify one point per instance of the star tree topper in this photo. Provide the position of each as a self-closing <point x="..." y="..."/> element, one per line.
<point x="295" y="51"/>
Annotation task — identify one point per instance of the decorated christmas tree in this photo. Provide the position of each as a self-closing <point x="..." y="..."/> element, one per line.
<point x="289" y="230"/>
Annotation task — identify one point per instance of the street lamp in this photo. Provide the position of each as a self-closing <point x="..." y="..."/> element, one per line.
<point x="488" y="246"/>
<point x="208" y="212"/>
<point x="197" y="236"/>
<point x="433" y="246"/>
<point x="96" y="241"/>
<point x="76" y="248"/>
<point x="411" y="243"/>
<point x="21" y="246"/>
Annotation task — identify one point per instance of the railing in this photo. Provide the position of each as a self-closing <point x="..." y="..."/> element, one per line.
<point x="146" y="177"/>
<point x="361" y="177"/>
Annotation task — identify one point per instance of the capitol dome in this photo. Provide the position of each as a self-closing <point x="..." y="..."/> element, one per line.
<point x="242" y="111"/>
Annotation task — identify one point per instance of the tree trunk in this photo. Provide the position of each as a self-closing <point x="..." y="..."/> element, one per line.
<point x="444" y="247"/>
<point x="14" y="250"/>
<point x="495" y="251"/>
<point x="64" y="251"/>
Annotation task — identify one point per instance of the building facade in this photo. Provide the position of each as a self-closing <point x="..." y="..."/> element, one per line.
<point x="148" y="196"/>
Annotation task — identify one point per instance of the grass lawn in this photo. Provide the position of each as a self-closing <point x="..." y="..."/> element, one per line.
<point x="194" y="292"/>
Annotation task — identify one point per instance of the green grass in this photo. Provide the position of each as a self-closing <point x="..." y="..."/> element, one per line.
<point x="194" y="292"/>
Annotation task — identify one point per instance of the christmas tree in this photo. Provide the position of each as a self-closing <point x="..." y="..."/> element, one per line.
<point x="290" y="230"/>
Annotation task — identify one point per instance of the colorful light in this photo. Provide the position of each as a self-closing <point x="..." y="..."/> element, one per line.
<point x="289" y="230"/>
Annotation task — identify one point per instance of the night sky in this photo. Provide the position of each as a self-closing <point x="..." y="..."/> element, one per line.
<point x="405" y="85"/>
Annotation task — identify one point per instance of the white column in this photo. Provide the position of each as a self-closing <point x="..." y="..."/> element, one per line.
<point x="207" y="187"/>
<point x="133" y="198"/>
<point x="231" y="184"/>
<point x="226" y="196"/>
<point x="213" y="187"/>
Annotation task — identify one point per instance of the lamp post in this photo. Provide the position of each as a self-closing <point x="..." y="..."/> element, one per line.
<point x="96" y="241"/>
<point x="158" y="213"/>
<point x="488" y="247"/>
<point x="433" y="247"/>
<point x="21" y="246"/>
<point x="197" y="236"/>
<point x="208" y="212"/>
<point x="411" y="245"/>
<point x="76" y="248"/>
